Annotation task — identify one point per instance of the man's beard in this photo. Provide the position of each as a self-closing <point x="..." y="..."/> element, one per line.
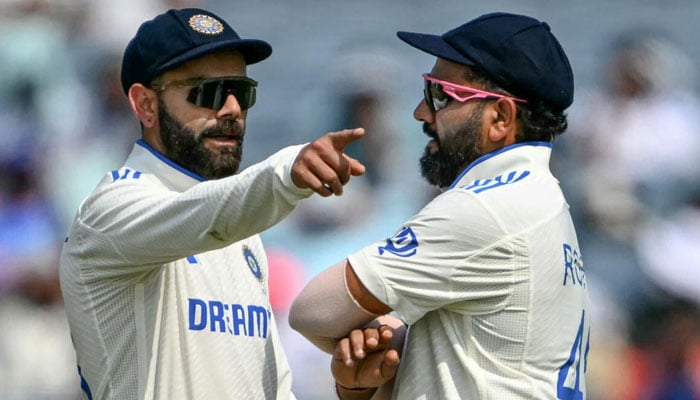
<point x="456" y="151"/>
<point x="186" y="149"/>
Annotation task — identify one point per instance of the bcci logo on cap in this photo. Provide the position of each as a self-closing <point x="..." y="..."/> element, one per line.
<point x="206" y="24"/>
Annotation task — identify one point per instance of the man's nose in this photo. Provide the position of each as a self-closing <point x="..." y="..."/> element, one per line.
<point x="230" y="109"/>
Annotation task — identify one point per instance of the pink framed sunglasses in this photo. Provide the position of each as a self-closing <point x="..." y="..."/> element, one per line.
<point x="438" y="93"/>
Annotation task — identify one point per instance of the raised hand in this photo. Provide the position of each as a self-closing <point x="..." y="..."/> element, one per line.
<point x="323" y="166"/>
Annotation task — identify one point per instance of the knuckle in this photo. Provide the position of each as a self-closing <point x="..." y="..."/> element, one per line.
<point x="307" y="157"/>
<point x="317" y="145"/>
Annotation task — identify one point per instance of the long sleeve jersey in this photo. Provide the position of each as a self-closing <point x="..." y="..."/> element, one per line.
<point x="164" y="279"/>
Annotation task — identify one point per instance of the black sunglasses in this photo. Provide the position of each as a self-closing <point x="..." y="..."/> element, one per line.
<point x="212" y="92"/>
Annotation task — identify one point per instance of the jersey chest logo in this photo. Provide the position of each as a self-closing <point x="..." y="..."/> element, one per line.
<point x="252" y="263"/>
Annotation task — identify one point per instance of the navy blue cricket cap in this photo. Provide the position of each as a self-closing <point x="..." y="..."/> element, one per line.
<point x="177" y="36"/>
<point x="518" y="53"/>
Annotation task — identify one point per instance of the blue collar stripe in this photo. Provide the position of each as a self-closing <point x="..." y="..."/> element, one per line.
<point x="166" y="160"/>
<point x="495" y="153"/>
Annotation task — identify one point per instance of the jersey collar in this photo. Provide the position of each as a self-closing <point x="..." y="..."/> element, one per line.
<point x="516" y="156"/>
<point x="146" y="159"/>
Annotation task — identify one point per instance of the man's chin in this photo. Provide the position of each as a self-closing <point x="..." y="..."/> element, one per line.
<point x="430" y="171"/>
<point x="436" y="173"/>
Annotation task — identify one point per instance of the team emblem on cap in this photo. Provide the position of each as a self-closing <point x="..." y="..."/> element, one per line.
<point x="206" y="24"/>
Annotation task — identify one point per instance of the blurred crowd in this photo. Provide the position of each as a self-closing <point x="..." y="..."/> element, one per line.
<point x="628" y="165"/>
<point x="630" y="169"/>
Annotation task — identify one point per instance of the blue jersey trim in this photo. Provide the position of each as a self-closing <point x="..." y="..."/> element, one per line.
<point x="166" y="160"/>
<point x="84" y="385"/>
<point x="495" y="153"/>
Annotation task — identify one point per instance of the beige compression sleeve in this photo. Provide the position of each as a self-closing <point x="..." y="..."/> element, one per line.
<point x="325" y="311"/>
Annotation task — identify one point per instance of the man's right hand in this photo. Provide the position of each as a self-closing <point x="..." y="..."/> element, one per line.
<point x="323" y="166"/>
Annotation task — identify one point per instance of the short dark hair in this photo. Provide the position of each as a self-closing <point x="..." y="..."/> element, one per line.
<point x="540" y="122"/>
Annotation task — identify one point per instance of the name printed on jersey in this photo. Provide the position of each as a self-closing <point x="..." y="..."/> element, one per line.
<point x="573" y="267"/>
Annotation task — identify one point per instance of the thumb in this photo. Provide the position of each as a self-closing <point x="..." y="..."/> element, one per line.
<point x="342" y="138"/>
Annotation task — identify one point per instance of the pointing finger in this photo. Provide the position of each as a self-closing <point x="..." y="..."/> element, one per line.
<point x="342" y="138"/>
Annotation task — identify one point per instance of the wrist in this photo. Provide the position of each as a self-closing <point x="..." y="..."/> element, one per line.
<point x="346" y="393"/>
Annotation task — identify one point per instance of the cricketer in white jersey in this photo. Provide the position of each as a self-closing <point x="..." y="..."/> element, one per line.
<point x="163" y="273"/>
<point x="489" y="279"/>
<point x="191" y="320"/>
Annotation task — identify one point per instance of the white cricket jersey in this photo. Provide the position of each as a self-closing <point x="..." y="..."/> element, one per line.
<point x="164" y="280"/>
<point x="489" y="278"/>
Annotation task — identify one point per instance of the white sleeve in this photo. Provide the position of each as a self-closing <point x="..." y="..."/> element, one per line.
<point x="124" y="222"/>
<point x="448" y="253"/>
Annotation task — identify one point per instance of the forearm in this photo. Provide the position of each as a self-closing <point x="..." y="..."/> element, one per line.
<point x="257" y="198"/>
<point x="324" y="312"/>
<point x="126" y="219"/>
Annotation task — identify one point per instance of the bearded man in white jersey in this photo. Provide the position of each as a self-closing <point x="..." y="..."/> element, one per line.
<point x="163" y="273"/>
<point x="488" y="276"/>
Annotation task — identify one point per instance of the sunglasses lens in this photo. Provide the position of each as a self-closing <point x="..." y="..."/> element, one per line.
<point x="213" y="94"/>
<point x="440" y="98"/>
<point x="204" y="95"/>
<point x="243" y="91"/>
<point x="436" y="98"/>
<point x="428" y="98"/>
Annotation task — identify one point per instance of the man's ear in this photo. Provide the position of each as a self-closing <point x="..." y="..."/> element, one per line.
<point x="504" y="123"/>
<point x="144" y="104"/>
